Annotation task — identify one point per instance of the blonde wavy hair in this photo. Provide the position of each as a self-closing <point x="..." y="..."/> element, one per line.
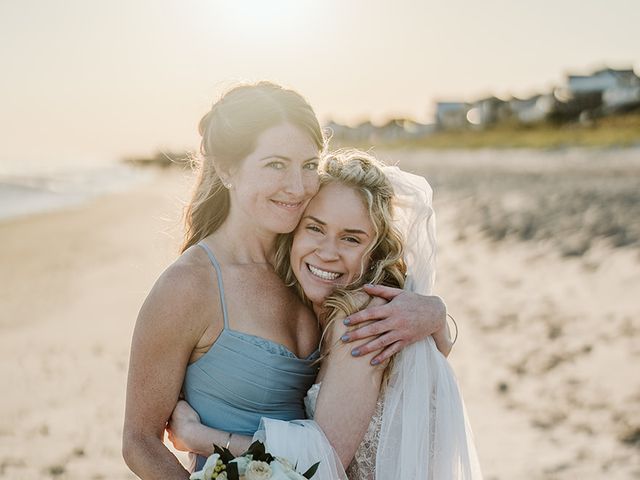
<point x="383" y="261"/>
<point x="229" y="134"/>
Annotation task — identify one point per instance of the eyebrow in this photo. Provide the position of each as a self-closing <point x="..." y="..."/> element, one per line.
<point x="348" y="230"/>
<point x="282" y="157"/>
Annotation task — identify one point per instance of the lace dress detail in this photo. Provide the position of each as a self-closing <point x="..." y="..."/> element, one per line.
<point x="363" y="465"/>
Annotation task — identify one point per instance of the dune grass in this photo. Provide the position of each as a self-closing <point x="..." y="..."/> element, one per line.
<point x="612" y="131"/>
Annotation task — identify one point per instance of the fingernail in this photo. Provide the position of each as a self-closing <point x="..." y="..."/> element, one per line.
<point x="355" y="352"/>
<point x="346" y="321"/>
<point x="344" y="338"/>
<point x="368" y="285"/>
<point x="375" y="361"/>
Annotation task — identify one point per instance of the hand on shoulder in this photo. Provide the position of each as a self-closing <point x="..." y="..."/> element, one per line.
<point x="337" y="331"/>
<point x="405" y="319"/>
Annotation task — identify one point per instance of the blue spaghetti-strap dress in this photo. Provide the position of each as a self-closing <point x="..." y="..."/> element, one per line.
<point x="244" y="377"/>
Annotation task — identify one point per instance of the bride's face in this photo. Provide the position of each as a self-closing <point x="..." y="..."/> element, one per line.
<point x="330" y="243"/>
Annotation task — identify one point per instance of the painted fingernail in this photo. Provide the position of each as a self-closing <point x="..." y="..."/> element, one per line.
<point x="368" y="285"/>
<point x="346" y="321"/>
<point x="344" y="338"/>
<point x="355" y="352"/>
<point x="375" y="361"/>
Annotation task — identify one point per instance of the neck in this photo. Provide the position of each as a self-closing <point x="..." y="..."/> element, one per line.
<point x="245" y="244"/>
<point x="317" y="310"/>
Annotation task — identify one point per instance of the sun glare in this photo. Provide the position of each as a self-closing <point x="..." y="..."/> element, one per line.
<point x="260" y="18"/>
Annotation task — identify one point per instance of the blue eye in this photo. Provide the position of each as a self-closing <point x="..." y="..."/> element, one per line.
<point x="276" y="165"/>
<point x="313" y="166"/>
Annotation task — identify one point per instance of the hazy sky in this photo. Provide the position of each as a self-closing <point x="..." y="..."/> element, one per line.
<point x="88" y="78"/>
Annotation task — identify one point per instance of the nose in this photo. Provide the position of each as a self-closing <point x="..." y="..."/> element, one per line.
<point x="326" y="250"/>
<point x="295" y="182"/>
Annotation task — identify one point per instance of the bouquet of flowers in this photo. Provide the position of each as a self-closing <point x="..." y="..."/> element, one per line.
<point x="254" y="464"/>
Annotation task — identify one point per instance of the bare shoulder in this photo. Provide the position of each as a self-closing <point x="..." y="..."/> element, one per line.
<point x="181" y="297"/>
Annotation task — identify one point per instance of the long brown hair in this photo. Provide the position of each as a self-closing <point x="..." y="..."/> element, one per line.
<point x="229" y="133"/>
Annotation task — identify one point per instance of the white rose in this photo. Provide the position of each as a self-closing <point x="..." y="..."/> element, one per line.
<point x="207" y="469"/>
<point x="258" y="471"/>
<point x="242" y="462"/>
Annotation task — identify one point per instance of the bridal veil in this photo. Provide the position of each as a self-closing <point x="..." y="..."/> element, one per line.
<point x="425" y="433"/>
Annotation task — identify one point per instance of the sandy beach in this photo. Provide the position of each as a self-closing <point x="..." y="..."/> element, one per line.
<point x="547" y="354"/>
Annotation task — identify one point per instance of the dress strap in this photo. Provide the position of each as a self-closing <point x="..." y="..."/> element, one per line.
<point x="220" y="285"/>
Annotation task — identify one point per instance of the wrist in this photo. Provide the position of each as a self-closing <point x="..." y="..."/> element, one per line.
<point x="197" y="440"/>
<point x="436" y="315"/>
<point x="442" y="313"/>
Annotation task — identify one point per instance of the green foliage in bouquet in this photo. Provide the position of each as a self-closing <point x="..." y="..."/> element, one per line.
<point x="312" y="470"/>
<point x="226" y="456"/>
<point x="259" y="452"/>
<point x="222" y="463"/>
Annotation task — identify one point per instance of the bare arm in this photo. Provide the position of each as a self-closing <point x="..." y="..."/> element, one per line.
<point x="189" y="435"/>
<point x="407" y="318"/>
<point x="349" y="393"/>
<point x="167" y="330"/>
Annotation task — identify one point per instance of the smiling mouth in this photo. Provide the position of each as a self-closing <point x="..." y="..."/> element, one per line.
<point x="288" y="205"/>
<point x="323" y="274"/>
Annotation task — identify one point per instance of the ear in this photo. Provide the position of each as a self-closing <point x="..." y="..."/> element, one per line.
<point x="224" y="174"/>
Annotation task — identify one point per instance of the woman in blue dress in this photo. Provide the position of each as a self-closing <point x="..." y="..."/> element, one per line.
<point x="219" y="324"/>
<point x="368" y="223"/>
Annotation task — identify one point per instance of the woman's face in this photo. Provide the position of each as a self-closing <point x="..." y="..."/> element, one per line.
<point x="273" y="185"/>
<point x="330" y="242"/>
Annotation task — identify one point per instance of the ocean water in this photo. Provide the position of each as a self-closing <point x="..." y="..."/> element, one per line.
<point x="25" y="191"/>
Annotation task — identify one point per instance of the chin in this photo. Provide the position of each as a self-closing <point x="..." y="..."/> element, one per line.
<point x="278" y="226"/>
<point x="315" y="296"/>
<point x="285" y="225"/>
<point x="291" y="219"/>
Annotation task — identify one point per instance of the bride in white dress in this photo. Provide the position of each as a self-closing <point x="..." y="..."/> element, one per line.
<point x="367" y="224"/>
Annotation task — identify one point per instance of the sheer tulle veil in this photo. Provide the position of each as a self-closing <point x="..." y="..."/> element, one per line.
<point x="425" y="433"/>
